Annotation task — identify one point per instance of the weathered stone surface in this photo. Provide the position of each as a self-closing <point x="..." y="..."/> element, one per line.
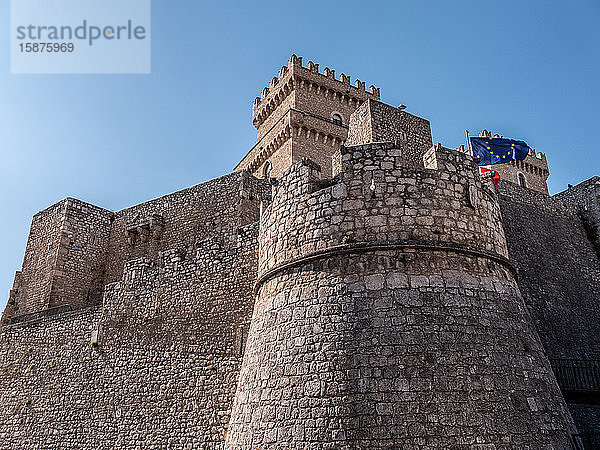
<point x="362" y="297"/>
<point x="423" y="340"/>
<point x="304" y="113"/>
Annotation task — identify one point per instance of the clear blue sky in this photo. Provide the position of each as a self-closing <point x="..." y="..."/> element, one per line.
<point x="525" y="69"/>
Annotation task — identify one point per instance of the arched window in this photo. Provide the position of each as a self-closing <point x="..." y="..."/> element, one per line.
<point x="522" y="182"/>
<point x="267" y="170"/>
<point x="337" y="119"/>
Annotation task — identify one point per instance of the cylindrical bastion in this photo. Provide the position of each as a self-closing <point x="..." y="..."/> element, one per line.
<point x="388" y="316"/>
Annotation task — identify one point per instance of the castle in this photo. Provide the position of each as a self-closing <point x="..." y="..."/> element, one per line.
<point x="350" y="285"/>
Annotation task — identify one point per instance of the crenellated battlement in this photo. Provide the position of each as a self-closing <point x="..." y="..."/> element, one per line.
<point x="296" y="62"/>
<point x="304" y="112"/>
<point x="376" y="196"/>
<point x="297" y="76"/>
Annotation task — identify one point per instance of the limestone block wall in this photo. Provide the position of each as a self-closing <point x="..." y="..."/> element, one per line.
<point x="371" y="332"/>
<point x="64" y="259"/>
<point x="169" y="341"/>
<point x="75" y="248"/>
<point x="35" y="281"/>
<point x="50" y="382"/>
<point x="206" y="294"/>
<point x="559" y="270"/>
<point x="211" y="210"/>
<point x="376" y="197"/>
<point x="79" y="272"/>
<point x="585" y="199"/>
<point x="155" y="363"/>
<point x="375" y="121"/>
<point x="552" y="242"/>
<point x="324" y="102"/>
<point x="59" y="393"/>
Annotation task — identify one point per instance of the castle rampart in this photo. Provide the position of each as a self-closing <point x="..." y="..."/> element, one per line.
<point x="412" y="204"/>
<point x="209" y="210"/>
<point x="556" y="283"/>
<point x="376" y="291"/>
<point x="76" y="248"/>
<point x="553" y="243"/>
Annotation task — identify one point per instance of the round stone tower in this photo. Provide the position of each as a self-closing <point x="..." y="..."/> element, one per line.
<point x="388" y="316"/>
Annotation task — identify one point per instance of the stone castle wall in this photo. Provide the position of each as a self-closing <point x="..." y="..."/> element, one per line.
<point x="211" y="210"/>
<point x="559" y="270"/>
<point x="64" y="259"/>
<point x="168" y="342"/>
<point x="387" y="315"/>
<point x="374" y="121"/>
<point x="75" y="248"/>
<point x="34" y="282"/>
<point x="79" y="271"/>
<point x="585" y="199"/>
<point x="403" y="214"/>
<point x="553" y="242"/>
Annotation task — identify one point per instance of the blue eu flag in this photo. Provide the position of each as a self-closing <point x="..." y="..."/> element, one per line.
<point x="498" y="150"/>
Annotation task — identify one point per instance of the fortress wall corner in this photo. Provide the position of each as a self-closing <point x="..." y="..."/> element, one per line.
<point x="167" y="341"/>
<point x="64" y="258"/>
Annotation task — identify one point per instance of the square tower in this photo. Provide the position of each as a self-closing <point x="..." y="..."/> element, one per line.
<point x="302" y="114"/>
<point x="64" y="259"/>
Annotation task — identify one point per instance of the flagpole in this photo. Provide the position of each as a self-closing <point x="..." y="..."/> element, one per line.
<point x="469" y="144"/>
<point x="471" y="150"/>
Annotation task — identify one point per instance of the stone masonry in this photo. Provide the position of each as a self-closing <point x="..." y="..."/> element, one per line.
<point x="296" y="118"/>
<point x="350" y="285"/>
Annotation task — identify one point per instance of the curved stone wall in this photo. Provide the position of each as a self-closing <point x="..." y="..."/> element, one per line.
<point x="376" y="198"/>
<point x="374" y="332"/>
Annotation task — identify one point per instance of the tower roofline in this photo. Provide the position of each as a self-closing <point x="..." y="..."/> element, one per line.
<point x="295" y="62"/>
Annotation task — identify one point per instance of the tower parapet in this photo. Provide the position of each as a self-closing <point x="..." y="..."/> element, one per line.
<point x="304" y="113"/>
<point x="326" y="81"/>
